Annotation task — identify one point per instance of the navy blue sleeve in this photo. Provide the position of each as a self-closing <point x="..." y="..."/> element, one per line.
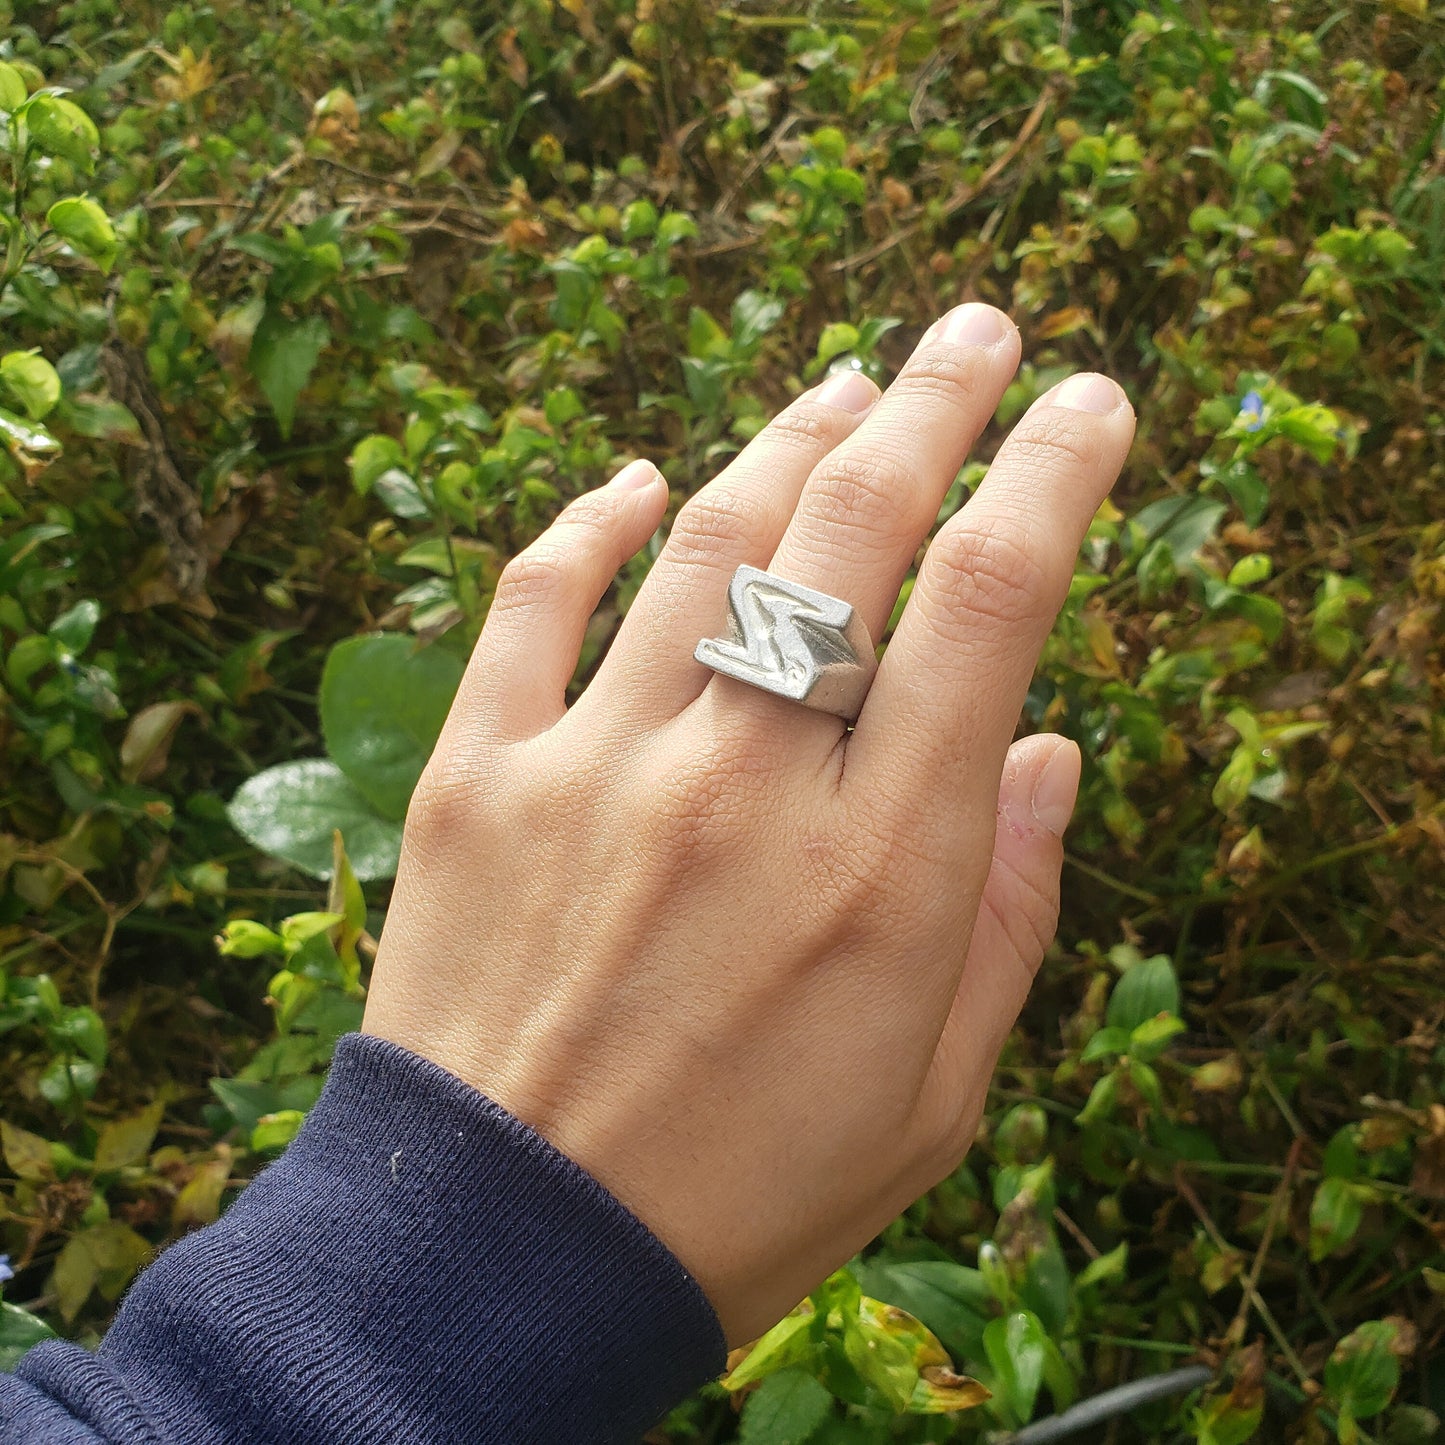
<point x="418" y="1266"/>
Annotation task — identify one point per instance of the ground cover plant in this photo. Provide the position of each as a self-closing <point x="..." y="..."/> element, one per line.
<point x="311" y="315"/>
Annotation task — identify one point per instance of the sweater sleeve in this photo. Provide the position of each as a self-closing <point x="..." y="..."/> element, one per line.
<point x="418" y="1266"/>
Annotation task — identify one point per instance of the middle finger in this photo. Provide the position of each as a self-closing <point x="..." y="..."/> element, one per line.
<point x="869" y="504"/>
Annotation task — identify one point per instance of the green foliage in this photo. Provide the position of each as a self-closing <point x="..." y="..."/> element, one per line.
<point x="309" y="325"/>
<point x="382" y="704"/>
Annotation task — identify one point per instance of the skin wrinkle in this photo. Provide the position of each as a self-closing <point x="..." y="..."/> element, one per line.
<point x="677" y="927"/>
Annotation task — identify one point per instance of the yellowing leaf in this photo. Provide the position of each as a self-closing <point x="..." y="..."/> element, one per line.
<point x="127" y="1141"/>
<point x="27" y="1155"/>
<point x="1065" y="323"/>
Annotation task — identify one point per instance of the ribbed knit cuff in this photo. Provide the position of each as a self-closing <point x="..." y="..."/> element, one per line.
<point x="418" y="1266"/>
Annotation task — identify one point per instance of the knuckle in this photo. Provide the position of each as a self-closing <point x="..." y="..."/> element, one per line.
<point x="945" y="374"/>
<point x="709" y="523"/>
<point x="1027" y="923"/>
<point x="991" y="573"/>
<point x="804" y="427"/>
<point x="592" y="515"/>
<point x="867" y="494"/>
<point x="444" y="807"/>
<point x="1056" y="441"/>
<point x="532" y="577"/>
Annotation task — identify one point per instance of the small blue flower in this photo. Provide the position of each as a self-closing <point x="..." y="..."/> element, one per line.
<point x="1252" y="412"/>
<point x="5" y="1271"/>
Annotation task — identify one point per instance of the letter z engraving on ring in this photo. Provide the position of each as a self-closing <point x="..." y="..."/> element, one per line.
<point x="795" y="642"/>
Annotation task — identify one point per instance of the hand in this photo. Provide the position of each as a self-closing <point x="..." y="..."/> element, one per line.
<point x="750" y="970"/>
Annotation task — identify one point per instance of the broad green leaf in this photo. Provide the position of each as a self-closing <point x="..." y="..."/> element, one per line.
<point x="19" y="1330"/>
<point x="705" y="338"/>
<point x="290" y="812"/>
<point x="383" y="702"/>
<point x="74" y="628"/>
<point x="60" y="128"/>
<point x="24" y="441"/>
<point x="836" y="339"/>
<point x="1182" y="524"/>
<point x="32" y="381"/>
<point x="786" y="1409"/>
<point x="13" y="90"/>
<point x="1363" y="1374"/>
<point x="1015" y="1347"/>
<point x="84" y="225"/>
<point x="127" y="1141"/>
<point x="951" y="1299"/>
<point x="283" y="356"/>
<point x="371" y="457"/>
<point x="754" y="315"/>
<point x="1148" y="989"/>
<point x="1336" y="1212"/>
<point x="106" y="421"/>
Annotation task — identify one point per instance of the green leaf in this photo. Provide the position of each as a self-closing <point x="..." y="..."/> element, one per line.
<point x="1121" y="225"/>
<point x="19" y="1330"/>
<point x="74" y="628"/>
<point x="32" y="381"/>
<point x="1364" y="1372"/>
<point x="789" y="1342"/>
<point x="127" y="1141"/>
<point x="1148" y="989"/>
<point x="85" y="227"/>
<point x="290" y="812"/>
<point x="245" y="938"/>
<point x="1335" y="1216"/>
<point x="371" y="457"/>
<point x="13" y="90"/>
<point x="1181" y="524"/>
<point x="786" y="1409"/>
<point x="383" y="702"/>
<point x="836" y="339"/>
<point x="106" y="421"/>
<point x="276" y="1131"/>
<point x="1015" y="1347"/>
<point x="705" y="338"/>
<point x="284" y="353"/>
<point x="754" y="315"/>
<point x="951" y="1299"/>
<point x="26" y="442"/>
<point x="104" y="1257"/>
<point x="60" y="128"/>
<point x="1106" y="1043"/>
<point x="1152" y="1037"/>
<point x="27" y="1155"/>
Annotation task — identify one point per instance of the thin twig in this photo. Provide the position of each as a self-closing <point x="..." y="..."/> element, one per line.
<point x="1278" y="1206"/>
<point x="1186" y="1191"/>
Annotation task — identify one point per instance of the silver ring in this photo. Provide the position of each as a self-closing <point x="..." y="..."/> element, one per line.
<point x="794" y="642"/>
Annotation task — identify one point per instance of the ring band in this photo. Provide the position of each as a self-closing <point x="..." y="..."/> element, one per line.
<point x="794" y="642"/>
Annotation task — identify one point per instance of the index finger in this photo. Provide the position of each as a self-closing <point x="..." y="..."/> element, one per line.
<point x="952" y="684"/>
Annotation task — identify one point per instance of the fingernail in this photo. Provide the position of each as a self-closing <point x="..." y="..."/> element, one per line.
<point x="1088" y="392"/>
<point x="848" y="391"/>
<point x="634" y="477"/>
<point x="973" y="324"/>
<point x="1057" y="789"/>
